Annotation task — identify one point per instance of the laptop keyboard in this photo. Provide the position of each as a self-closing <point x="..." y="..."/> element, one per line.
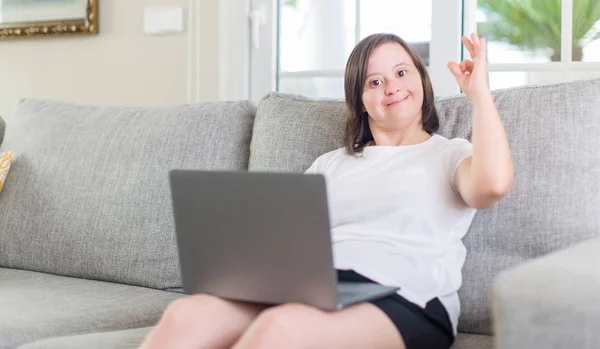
<point x="349" y="294"/>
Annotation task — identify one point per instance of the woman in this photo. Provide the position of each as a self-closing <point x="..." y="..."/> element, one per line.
<point x="400" y="197"/>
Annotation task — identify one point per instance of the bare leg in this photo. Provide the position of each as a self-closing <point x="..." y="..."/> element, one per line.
<point x="201" y="322"/>
<point x="300" y="326"/>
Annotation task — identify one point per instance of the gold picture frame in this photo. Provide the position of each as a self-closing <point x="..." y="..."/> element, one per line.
<point x="48" y="27"/>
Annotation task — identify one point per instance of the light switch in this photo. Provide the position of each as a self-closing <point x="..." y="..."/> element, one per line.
<point x="162" y="20"/>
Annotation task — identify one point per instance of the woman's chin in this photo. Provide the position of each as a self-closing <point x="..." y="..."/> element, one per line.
<point x="396" y="117"/>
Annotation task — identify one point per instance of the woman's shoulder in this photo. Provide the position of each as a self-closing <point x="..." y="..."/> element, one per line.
<point x="453" y="144"/>
<point x="454" y="150"/>
<point x="321" y="163"/>
<point x="335" y="153"/>
<point x="455" y="140"/>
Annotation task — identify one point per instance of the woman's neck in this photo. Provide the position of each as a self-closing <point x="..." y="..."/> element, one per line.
<point x="382" y="138"/>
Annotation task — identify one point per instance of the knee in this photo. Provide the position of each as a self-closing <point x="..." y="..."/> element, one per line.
<point x="187" y="311"/>
<point x="280" y="326"/>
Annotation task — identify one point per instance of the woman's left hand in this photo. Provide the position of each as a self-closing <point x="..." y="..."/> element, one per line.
<point x="472" y="75"/>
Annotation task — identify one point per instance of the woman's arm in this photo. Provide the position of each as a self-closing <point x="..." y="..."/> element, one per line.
<point x="488" y="174"/>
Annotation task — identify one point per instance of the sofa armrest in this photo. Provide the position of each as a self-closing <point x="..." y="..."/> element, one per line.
<point x="550" y="302"/>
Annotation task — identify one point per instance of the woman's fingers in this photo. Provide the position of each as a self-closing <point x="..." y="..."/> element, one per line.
<point x="477" y="47"/>
<point x="458" y="73"/>
<point x="467" y="66"/>
<point x="483" y="49"/>
<point x="469" y="45"/>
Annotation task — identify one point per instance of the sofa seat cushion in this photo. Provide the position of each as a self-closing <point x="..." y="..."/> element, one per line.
<point x="124" y="339"/>
<point x="132" y="338"/>
<point x="89" y="195"/>
<point x="36" y="306"/>
<point x="473" y="341"/>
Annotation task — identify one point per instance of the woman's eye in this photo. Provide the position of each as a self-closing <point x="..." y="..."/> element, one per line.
<point x="401" y="73"/>
<point x="375" y="83"/>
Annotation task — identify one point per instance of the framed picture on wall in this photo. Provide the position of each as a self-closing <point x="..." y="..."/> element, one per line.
<point x="38" y="18"/>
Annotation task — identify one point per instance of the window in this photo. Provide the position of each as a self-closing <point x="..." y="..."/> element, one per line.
<point x="301" y="46"/>
<point x="316" y="38"/>
<point x="538" y="41"/>
<point x="313" y="39"/>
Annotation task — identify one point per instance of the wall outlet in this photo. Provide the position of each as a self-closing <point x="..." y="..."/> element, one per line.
<point x="163" y="20"/>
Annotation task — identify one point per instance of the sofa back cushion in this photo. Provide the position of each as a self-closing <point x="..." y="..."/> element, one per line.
<point x="553" y="132"/>
<point x="554" y="135"/>
<point x="292" y="131"/>
<point x="88" y="195"/>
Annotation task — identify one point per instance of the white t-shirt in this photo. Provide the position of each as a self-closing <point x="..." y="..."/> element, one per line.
<point x="397" y="218"/>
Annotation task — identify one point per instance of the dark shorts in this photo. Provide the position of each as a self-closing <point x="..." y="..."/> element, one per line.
<point x="420" y="328"/>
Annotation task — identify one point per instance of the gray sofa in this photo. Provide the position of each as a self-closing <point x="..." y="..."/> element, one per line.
<point x="87" y="249"/>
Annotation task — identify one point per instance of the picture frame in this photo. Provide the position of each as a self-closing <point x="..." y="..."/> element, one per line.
<point x="47" y="18"/>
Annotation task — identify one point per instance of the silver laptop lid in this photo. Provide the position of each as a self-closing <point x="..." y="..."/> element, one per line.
<point x="254" y="236"/>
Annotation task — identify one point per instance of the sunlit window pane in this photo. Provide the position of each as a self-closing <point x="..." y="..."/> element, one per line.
<point x="523" y="31"/>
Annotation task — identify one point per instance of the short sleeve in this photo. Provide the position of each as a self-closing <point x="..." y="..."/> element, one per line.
<point x="460" y="150"/>
<point x="322" y="162"/>
<point x="314" y="168"/>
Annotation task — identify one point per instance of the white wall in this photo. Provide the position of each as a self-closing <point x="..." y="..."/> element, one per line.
<point x="121" y="65"/>
<point x="234" y="46"/>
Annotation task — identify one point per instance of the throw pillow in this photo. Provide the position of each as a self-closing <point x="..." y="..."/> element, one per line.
<point x="5" y="162"/>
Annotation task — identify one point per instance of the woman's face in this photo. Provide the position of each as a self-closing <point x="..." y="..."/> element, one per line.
<point x="393" y="91"/>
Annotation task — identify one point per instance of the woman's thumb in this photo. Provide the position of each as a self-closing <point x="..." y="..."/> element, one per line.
<point x="455" y="69"/>
<point x="457" y="72"/>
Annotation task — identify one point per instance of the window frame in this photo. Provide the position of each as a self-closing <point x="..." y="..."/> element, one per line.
<point x="445" y="46"/>
<point x="264" y="66"/>
<point x="565" y="67"/>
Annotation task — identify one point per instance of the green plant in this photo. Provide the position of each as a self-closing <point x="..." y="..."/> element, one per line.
<point x="533" y="24"/>
<point x="290" y="2"/>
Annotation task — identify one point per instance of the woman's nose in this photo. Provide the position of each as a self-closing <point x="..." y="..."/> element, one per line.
<point x="392" y="87"/>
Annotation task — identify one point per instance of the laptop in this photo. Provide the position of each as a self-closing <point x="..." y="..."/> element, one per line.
<point x="260" y="237"/>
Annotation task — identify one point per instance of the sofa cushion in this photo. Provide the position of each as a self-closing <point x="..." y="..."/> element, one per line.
<point x="291" y="131"/>
<point x="124" y="339"/>
<point x="132" y="338"/>
<point x="473" y="341"/>
<point x="37" y="306"/>
<point x="554" y="203"/>
<point x="6" y="159"/>
<point x="90" y="193"/>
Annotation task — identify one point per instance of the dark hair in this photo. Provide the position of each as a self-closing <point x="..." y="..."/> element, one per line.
<point x="358" y="133"/>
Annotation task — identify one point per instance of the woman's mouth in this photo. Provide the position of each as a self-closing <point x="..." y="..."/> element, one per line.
<point x="397" y="101"/>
